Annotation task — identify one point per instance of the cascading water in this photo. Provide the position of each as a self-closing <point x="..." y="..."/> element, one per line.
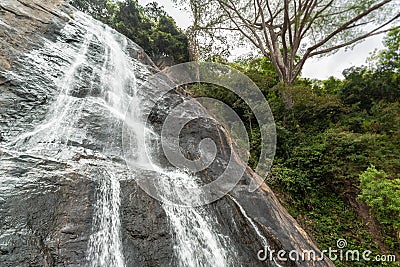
<point x="196" y="242"/>
<point x="63" y="130"/>
<point x="67" y="196"/>
<point x="256" y="229"/>
<point x="60" y="134"/>
<point x="105" y="245"/>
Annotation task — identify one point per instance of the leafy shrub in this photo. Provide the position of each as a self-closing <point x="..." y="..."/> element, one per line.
<point x="382" y="195"/>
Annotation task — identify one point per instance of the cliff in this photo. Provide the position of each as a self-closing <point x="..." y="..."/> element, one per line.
<point x="67" y="197"/>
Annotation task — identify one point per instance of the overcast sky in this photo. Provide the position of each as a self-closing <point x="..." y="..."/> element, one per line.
<point x="320" y="68"/>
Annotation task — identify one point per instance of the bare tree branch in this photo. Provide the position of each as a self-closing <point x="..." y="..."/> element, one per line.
<point x="369" y="34"/>
<point x="344" y="25"/>
<point x="282" y="29"/>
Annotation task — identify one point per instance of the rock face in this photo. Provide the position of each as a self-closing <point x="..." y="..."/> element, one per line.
<point x="67" y="197"/>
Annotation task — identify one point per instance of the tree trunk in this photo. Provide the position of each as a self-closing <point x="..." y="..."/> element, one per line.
<point x="285" y="76"/>
<point x="287" y="96"/>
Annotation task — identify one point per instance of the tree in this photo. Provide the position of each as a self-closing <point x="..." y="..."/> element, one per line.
<point x="365" y="86"/>
<point x="150" y="27"/>
<point x="289" y="32"/>
<point x="131" y="21"/>
<point x="99" y="9"/>
<point x="389" y="58"/>
<point x="168" y="41"/>
<point x="154" y="11"/>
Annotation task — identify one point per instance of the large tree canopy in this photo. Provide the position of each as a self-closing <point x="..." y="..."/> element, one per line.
<point x="150" y="27"/>
<point x="288" y="32"/>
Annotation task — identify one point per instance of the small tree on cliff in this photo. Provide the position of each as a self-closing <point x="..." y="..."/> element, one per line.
<point x="288" y="32"/>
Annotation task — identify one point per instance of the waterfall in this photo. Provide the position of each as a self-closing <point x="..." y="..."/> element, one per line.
<point x="252" y="223"/>
<point x="196" y="242"/>
<point x="255" y="227"/>
<point x="105" y="245"/>
<point x="100" y="76"/>
<point x="101" y="59"/>
<point x="75" y="165"/>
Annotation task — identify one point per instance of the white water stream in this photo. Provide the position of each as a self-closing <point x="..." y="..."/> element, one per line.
<point x="196" y="242"/>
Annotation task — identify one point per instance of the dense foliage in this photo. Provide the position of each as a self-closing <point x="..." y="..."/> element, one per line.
<point x="327" y="142"/>
<point x="338" y="152"/>
<point x="382" y="195"/>
<point x="150" y="27"/>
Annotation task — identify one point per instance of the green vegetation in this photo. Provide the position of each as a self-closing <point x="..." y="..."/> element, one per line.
<point x="383" y="196"/>
<point x="335" y="130"/>
<point x="338" y="152"/>
<point x="288" y="33"/>
<point x="150" y="27"/>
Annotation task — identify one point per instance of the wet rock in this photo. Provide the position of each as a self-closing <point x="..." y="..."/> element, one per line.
<point x="48" y="201"/>
<point x="272" y="220"/>
<point x="69" y="229"/>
